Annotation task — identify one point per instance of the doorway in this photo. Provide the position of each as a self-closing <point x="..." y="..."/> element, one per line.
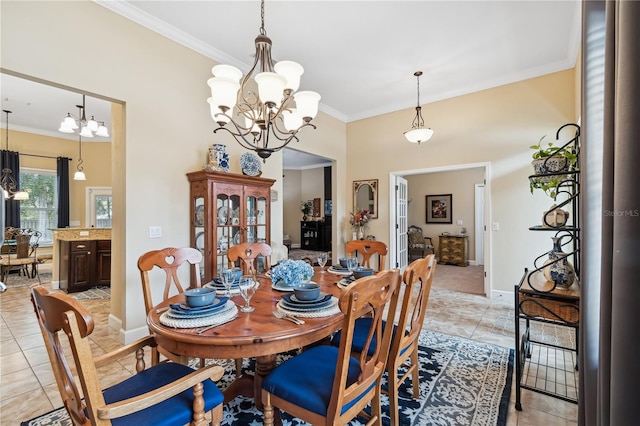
<point x="454" y="227"/>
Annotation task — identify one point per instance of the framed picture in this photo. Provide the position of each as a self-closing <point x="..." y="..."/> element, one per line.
<point x="439" y="208"/>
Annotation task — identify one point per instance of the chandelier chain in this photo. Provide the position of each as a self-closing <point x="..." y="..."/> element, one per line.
<point x="262" y="30"/>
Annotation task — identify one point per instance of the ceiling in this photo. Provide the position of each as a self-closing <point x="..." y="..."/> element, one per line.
<point x="359" y="55"/>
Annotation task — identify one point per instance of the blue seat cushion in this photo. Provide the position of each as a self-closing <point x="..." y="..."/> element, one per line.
<point x="360" y="333"/>
<point x="175" y="411"/>
<point x="307" y="379"/>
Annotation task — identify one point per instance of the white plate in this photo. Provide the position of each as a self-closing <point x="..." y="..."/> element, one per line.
<point x="280" y="287"/>
<point x="200" y="240"/>
<point x="250" y="164"/>
<point x="222" y="215"/>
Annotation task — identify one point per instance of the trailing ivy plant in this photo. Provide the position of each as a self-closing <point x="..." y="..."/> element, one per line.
<point x="566" y="154"/>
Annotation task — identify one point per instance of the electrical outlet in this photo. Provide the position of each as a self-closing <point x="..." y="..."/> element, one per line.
<point x="155" y="232"/>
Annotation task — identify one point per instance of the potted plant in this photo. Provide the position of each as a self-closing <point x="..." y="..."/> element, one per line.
<point x="551" y="160"/>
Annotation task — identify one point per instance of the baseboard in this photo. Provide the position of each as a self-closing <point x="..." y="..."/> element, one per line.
<point x="498" y="294"/>
<point x="127" y="336"/>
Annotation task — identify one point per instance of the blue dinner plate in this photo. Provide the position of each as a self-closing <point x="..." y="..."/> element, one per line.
<point x="292" y="299"/>
<point x="183" y="307"/>
<point x="301" y="308"/>
<point x="201" y="313"/>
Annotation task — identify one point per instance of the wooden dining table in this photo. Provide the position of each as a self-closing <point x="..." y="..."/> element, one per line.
<point x="258" y="334"/>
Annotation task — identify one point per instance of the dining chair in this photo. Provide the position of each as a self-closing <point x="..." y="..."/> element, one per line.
<point x="165" y="394"/>
<point x="251" y="255"/>
<point x="366" y="249"/>
<point x="326" y="384"/>
<point x="170" y="260"/>
<point x="417" y="279"/>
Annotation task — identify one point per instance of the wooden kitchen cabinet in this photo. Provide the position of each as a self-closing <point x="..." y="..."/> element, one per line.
<point x="84" y="264"/>
<point x="454" y="249"/>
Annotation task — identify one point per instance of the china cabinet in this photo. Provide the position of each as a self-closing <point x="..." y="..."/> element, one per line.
<point x="550" y="292"/>
<point x="227" y="209"/>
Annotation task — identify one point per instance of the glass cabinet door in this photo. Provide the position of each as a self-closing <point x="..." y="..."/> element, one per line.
<point x="199" y="222"/>
<point x="228" y="227"/>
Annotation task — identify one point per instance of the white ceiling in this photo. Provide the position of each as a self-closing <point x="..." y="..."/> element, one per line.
<point x="359" y="55"/>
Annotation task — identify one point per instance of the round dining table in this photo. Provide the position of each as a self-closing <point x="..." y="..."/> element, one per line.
<point x="258" y="334"/>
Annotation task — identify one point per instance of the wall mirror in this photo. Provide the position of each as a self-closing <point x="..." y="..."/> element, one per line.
<point x="365" y="196"/>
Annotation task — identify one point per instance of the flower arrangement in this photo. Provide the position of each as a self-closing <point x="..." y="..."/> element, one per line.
<point x="359" y="219"/>
<point x="291" y="272"/>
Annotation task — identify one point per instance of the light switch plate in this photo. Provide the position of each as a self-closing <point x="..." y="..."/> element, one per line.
<point x="155" y="232"/>
<point x="459" y="222"/>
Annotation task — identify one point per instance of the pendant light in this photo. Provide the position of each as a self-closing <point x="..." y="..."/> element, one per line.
<point x="8" y="182"/>
<point x="418" y="132"/>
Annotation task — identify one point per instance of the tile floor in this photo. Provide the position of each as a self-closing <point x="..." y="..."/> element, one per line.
<point x="28" y="389"/>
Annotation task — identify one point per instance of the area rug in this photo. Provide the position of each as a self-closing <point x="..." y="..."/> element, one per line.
<point x="462" y="382"/>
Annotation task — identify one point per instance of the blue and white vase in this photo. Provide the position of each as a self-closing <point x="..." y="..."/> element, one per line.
<point x="218" y="159"/>
<point x="558" y="269"/>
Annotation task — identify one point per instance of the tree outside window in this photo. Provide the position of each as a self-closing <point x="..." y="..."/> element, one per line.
<point x="40" y="211"/>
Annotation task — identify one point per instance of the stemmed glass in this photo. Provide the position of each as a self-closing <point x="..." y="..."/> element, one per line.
<point x="248" y="285"/>
<point x="352" y="263"/>
<point x="322" y="260"/>
<point x="227" y="276"/>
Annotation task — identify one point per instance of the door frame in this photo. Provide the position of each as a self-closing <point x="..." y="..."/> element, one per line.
<point x="393" y="249"/>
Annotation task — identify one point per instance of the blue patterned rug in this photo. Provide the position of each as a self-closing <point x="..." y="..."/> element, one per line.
<point x="462" y="382"/>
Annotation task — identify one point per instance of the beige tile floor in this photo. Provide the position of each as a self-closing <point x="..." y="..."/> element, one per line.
<point x="28" y="389"/>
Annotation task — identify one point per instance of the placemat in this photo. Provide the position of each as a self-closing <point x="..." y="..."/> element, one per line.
<point x="228" y="313"/>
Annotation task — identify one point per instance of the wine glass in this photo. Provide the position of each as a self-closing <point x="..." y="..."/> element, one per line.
<point x="352" y="263"/>
<point x="248" y="286"/>
<point x="322" y="260"/>
<point x="228" y="277"/>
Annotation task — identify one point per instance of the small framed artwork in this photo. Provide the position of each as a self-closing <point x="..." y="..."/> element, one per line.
<point x="328" y="208"/>
<point x="439" y="208"/>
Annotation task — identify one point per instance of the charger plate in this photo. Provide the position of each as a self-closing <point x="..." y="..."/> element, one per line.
<point x="338" y="271"/>
<point x="221" y="290"/>
<point x="332" y="309"/>
<point x="229" y="312"/>
<point x="344" y="283"/>
<point x="291" y="298"/>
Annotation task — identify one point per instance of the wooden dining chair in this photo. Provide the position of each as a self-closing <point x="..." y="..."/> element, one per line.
<point x="170" y="260"/>
<point x="417" y="279"/>
<point x="366" y="249"/>
<point x="250" y="254"/>
<point x="326" y="384"/>
<point x="165" y="394"/>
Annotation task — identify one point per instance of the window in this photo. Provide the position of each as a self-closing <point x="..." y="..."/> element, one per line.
<point x="40" y="211"/>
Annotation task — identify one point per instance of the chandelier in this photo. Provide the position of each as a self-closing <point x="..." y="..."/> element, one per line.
<point x="87" y="127"/>
<point x="266" y="121"/>
<point x="418" y="132"/>
<point x="8" y="182"/>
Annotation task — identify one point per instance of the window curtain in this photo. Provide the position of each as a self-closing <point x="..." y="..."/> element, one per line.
<point x="11" y="159"/>
<point x="610" y="292"/>
<point x="63" y="191"/>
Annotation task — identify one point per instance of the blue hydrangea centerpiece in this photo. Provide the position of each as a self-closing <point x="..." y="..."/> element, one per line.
<point x="291" y="272"/>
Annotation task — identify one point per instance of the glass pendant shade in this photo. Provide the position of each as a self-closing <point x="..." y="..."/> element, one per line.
<point x="292" y="119"/>
<point x="64" y="128"/>
<point x="270" y="87"/>
<point x="102" y="131"/>
<point x="70" y="122"/>
<point x="79" y="176"/>
<point x="86" y="132"/>
<point x="92" y="125"/>
<point x="227" y="71"/>
<point x="224" y="92"/>
<point x="216" y="113"/>
<point x="292" y="72"/>
<point x="307" y="104"/>
<point x="418" y="135"/>
<point x="21" y="196"/>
